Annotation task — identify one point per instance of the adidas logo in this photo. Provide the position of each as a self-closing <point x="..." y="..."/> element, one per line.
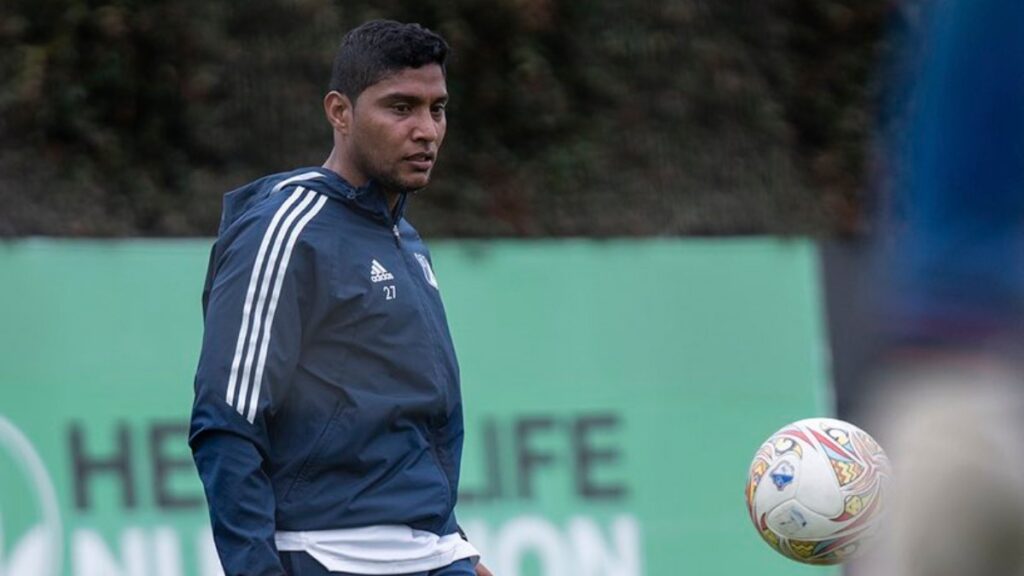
<point x="378" y="273"/>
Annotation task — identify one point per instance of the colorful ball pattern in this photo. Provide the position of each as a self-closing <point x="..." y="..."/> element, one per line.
<point x="815" y="490"/>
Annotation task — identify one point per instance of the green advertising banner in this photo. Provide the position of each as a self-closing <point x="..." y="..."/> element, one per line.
<point x="615" y="393"/>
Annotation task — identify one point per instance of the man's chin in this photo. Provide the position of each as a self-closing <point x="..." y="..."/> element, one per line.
<point x="405" y="183"/>
<point x="414" y="184"/>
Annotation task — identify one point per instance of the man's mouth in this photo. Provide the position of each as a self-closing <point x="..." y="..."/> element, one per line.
<point x="421" y="161"/>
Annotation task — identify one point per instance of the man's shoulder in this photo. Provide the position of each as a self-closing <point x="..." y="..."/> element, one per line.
<point x="265" y="198"/>
<point x="270" y="220"/>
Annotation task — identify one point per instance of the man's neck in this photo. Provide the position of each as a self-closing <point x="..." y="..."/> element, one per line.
<point x="392" y="198"/>
<point x="334" y="164"/>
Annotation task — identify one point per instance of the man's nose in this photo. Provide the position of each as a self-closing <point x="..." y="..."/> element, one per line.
<point x="427" y="129"/>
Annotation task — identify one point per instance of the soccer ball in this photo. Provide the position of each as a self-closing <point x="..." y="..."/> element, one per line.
<point x="815" y="490"/>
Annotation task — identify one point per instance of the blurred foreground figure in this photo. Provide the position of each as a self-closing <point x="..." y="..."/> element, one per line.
<point x="951" y="411"/>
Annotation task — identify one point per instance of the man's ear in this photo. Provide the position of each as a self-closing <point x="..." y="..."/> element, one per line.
<point x="338" y="109"/>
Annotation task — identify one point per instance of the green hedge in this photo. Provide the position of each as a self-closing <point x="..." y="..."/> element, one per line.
<point x="599" y="118"/>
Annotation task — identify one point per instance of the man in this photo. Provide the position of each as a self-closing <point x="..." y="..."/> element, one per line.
<point x="327" y="425"/>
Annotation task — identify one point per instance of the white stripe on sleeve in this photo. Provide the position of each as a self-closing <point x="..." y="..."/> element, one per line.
<point x="272" y="310"/>
<point x="265" y="285"/>
<point x="247" y="310"/>
<point x="298" y="178"/>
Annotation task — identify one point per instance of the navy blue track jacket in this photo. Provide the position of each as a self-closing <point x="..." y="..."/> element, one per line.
<point x="327" y="393"/>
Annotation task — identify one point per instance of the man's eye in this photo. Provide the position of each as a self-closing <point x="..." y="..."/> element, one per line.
<point x="438" y="110"/>
<point x="401" y="108"/>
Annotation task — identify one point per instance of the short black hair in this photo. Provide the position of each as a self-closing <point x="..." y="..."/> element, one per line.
<point x="380" y="48"/>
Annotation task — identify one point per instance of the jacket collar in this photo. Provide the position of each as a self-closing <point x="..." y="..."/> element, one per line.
<point x="368" y="199"/>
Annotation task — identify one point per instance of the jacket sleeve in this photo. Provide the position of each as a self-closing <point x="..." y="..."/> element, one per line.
<point x="254" y="310"/>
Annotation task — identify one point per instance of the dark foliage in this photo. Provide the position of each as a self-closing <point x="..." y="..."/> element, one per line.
<point x="645" y="117"/>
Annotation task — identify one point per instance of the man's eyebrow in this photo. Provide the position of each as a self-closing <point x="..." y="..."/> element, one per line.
<point x="405" y="97"/>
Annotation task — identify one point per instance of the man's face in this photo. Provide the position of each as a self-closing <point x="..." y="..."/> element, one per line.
<point x="398" y="125"/>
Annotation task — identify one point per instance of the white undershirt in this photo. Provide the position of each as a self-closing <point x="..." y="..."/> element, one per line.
<point x="385" y="549"/>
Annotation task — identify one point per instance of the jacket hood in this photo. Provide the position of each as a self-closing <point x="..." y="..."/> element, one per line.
<point x="368" y="199"/>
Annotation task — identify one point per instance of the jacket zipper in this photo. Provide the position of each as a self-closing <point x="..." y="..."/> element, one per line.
<point x="432" y="437"/>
